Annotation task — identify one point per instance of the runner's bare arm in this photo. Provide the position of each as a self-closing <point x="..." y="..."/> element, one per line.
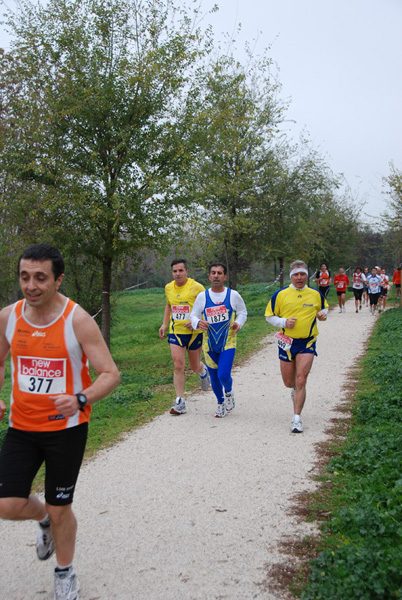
<point x="94" y="347"/>
<point x="4" y="350"/>
<point x="166" y="318"/>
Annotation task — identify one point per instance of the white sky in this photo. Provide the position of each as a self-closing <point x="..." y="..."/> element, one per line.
<point x="340" y="63"/>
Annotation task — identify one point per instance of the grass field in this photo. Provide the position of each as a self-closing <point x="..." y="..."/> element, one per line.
<point x="360" y="550"/>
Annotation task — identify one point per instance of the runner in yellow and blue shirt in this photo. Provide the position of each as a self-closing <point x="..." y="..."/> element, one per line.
<point x="295" y="309"/>
<point x="180" y="297"/>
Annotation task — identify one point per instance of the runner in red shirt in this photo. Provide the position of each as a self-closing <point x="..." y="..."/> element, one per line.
<point x="396" y="280"/>
<point x="341" y="281"/>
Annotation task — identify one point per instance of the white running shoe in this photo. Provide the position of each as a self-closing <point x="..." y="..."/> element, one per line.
<point x="205" y="381"/>
<point x="340" y="310"/>
<point x="220" y="410"/>
<point x="44" y="541"/>
<point x="66" y="585"/>
<point x="179" y="407"/>
<point x="230" y="401"/>
<point x="344" y="309"/>
<point x="296" y="426"/>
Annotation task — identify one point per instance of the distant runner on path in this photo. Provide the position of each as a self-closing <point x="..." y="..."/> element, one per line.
<point x="358" y="286"/>
<point x="396" y="280"/>
<point x="50" y="339"/>
<point x="341" y="281"/>
<point x="220" y="312"/>
<point x="295" y="309"/>
<point x="374" y="288"/>
<point x="323" y="279"/>
<point x="180" y="297"/>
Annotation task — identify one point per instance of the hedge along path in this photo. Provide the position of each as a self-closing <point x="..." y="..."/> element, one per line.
<point x="193" y="507"/>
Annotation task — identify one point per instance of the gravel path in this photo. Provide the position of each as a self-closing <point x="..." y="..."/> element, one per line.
<point x="192" y="507"/>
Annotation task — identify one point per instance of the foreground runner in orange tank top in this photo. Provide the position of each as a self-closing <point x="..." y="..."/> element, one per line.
<point x="50" y="340"/>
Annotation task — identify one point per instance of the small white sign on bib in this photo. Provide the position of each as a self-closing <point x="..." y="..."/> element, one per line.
<point x="181" y="312"/>
<point x="283" y="341"/>
<point x="217" y="314"/>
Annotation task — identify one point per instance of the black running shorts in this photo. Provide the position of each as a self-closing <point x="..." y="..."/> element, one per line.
<point x="23" y="453"/>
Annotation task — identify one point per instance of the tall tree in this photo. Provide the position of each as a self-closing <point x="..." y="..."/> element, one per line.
<point x="237" y="113"/>
<point x="95" y="89"/>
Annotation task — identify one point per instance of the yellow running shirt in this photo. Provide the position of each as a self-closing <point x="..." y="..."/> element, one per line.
<point x="181" y="300"/>
<point x="303" y="304"/>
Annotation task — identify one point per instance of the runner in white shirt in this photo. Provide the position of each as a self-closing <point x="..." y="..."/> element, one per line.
<point x="220" y="312"/>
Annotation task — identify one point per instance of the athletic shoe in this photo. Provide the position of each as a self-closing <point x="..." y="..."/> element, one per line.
<point x="66" y="585"/>
<point x="205" y="381"/>
<point x="229" y="401"/>
<point x="220" y="410"/>
<point x="179" y="407"/>
<point x="360" y="307"/>
<point x="357" y="310"/>
<point x="44" y="541"/>
<point x="344" y="309"/>
<point x="296" y="427"/>
<point x="340" y="310"/>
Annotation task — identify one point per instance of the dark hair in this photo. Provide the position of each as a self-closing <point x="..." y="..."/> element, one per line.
<point x="42" y="252"/>
<point x="177" y="261"/>
<point x="217" y="264"/>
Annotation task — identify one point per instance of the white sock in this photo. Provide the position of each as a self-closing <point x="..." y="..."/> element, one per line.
<point x="296" y="418"/>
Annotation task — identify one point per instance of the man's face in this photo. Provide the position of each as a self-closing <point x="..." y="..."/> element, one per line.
<point x="180" y="273"/>
<point x="341" y="271"/>
<point x="217" y="278"/>
<point x="37" y="281"/>
<point x="299" y="280"/>
<point x="374" y="271"/>
<point x="323" y="267"/>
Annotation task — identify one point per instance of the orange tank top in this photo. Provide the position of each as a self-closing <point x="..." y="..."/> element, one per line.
<point x="45" y="361"/>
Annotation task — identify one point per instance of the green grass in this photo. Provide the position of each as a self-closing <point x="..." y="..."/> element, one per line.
<point x="361" y="544"/>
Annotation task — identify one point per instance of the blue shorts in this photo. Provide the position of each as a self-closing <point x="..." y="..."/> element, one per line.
<point x="191" y="341"/>
<point x="299" y="346"/>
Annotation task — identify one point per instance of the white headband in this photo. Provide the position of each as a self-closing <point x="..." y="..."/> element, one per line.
<point x="301" y="270"/>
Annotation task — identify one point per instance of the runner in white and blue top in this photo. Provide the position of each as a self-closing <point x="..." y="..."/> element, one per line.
<point x="374" y="289"/>
<point x="220" y="312"/>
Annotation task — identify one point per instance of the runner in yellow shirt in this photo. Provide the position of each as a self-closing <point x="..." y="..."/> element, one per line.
<point x="180" y="297"/>
<point x="296" y="309"/>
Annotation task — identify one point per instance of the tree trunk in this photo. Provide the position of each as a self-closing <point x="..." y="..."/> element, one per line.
<point x="281" y="272"/>
<point x="234" y="270"/>
<point x="107" y="282"/>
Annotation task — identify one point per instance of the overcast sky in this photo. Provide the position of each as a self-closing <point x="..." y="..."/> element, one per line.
<point x="340" y="63"/>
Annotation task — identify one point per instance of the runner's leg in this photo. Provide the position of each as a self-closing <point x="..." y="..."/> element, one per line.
<point x="225" y="368"/>
<point x="179" y="361"/>
<point x="194" y="358"/>
<point x="303" y="363"/>
<point x="63" y="526"/>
